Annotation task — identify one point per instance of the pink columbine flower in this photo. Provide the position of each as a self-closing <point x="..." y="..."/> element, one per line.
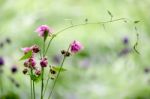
<point x="32" y="62"/>
<point x="76" y="46"/>
<point x="41" y="30"/>
<point x="26" y="49"/>
<point x="44" y="62"/>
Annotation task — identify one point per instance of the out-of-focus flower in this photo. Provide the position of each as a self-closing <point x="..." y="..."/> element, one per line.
<point x="43" y="29"/>
<point x="125" y="40"/>
<point x="44" y="62"/>
<point x="76" y="46"/>
<point x="1" y="44"/>
<point x="37" y="72"/>
<point x="14" y="69"/>
<point x="35" y="48"/>
<point x="8" y="40"/>
<point x="1" y="61"/>
<point x="26" y="49"/>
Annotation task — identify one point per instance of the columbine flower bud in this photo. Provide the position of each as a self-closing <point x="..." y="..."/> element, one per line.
<point x="63" y="52"/>
<point x="52" y="71"/>
<point x="25" y="71"/>
<point x="43" y="29"/>
<point x="76" y="47"/>
<point x="35" y="48"/>
<point x="37" y="72"/>
<point x="26" y="49"/>
<point x="1" y="61"/>
<point x="32" y="62"/>
<point x="44" y="62"/>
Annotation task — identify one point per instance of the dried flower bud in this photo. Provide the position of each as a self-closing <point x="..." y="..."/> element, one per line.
<point x="76" y="46"/>
<point x="25" y="71"/>
<point x="63" y="52"/>
<point x="35" y="48"/>
<point x="14" y="69"/>
<point x="67" y="54"/>
<point x="52" y="71"/>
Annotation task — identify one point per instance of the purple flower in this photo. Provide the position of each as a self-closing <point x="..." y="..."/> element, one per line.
<point x="44" y="62"/>
<point x="32" y="62"/>
<point x="37" y="72"/>
<point x="125" y="40"/>
<point x="35" y="48"/>
<point x="1" y="61"/>
<point x="43" y="29"/>
<point x="76" y="46"/>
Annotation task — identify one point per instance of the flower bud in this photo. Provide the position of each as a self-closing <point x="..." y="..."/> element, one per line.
<point x="52" y="71"/>
<point x="37" y="72"/>
<point x="25" y="71"/>
<point x="63" y="52"/>
<point x="35" y="48"/>
<point x="44" y="62"/>
<point x="14" y="69"/>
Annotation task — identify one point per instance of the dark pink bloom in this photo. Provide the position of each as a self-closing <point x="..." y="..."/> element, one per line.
<point x="76" y="46"/>
<point x="37" y="72"/>
<point x="35" y="48"/>
<point x="41" y="30"/>
<point x="26" y="49"/>
<point x="44" y="62"/>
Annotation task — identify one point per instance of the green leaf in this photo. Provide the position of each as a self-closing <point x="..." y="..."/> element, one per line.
<point x="26" y="56"/>
<point x="45" y="36"/>
<point x="57" y="68"/>
<point x="35" y="78"/>
<point x="136" y="21"/>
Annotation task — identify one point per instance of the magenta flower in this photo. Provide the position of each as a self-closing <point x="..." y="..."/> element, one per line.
<point x="26" y="49"/>
<point x="35" y="48"/>
<point x="32" y="62"/>
<point x="44" y="62"/>
<point x="76" y="46"/>
<point x="37" y="72"/>
<point x="41" y="30"/>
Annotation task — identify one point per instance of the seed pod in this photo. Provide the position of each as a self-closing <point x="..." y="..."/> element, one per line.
<point x="25" y="71"/>
<point x="63" y="52"/>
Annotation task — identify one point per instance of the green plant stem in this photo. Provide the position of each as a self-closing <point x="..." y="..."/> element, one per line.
<point x="34" y="90"/>
<point x="42" y="85"/>
<point x="31" y="83"/>
<point x="48" y="45"/>
<point x="1" y="84"/>
<point x="46" y="85"/>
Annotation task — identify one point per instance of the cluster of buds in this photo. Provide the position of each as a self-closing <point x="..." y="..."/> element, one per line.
<point x="30" y="63"/>
<point x="53" y="72"/>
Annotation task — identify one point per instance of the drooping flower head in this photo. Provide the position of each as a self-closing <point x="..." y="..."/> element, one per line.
<point x="1" y="61"/>
<point x="76" y="46"/>
<point x="44" y="62"/>
<point x="43" y="29"/>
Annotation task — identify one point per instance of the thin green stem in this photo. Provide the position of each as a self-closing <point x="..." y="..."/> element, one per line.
<point x="1" y="84"/>
<point x="33" y="90"/>
<point x="58" y="74"/>
<point x="42" y="85"/>
<point x="72" y="26"/>
<point x="46" y="85"/>
<point x="48" y="45"/>
<point x="56" y="77"/>
<point x="31" y="83"/>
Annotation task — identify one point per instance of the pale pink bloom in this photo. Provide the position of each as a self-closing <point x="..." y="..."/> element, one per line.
<point x="37" y="72"/>
<point x="26" y="49"/>
<point x="41" y="30"/>
<point x="76" y="46"/>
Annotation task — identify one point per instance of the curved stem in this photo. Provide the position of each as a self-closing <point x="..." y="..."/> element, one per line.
<point x="88" y="24"/>
<point x="48" y="45"/>
<point x="42" y="85"/>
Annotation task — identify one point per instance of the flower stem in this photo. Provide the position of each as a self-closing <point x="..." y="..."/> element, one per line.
<point x="33" y="90"/>
<point x="56" y="77"/>
<point x="1" y="84"/>
<point x="42" y="85"/>
<point x="31" y="83"/>
<point x="46" y="85"/>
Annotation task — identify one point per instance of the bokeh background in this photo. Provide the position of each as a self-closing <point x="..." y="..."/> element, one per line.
<point x="107" y="68"/>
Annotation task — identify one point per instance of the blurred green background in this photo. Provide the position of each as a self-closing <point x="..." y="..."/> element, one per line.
<point x="102" y="70"/>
